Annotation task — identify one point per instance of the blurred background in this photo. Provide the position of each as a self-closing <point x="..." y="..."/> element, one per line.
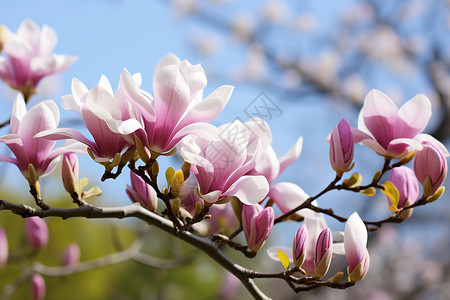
<point x="311" y="61"/>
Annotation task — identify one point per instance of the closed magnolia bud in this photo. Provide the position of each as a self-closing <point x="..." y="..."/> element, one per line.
<point x="71" y="255"/>
<point x="406" y="183"/>
<point x="141" y="192"/>
<point x="257" y="224"/>
<point x="70" y="172"/>
<point x="323" y="253"/>
<point x="341" y="147"/>
<point x="3" y="248"/>
<point x="37" y="287"/>
<point x="300" y="246"/>
<point x="355" y="243"/>
<point x="430" y="163"/>
<point x="36" y="232"/>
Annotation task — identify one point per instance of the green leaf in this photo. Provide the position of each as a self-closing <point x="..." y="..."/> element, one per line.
<point x="92" y="192"/>
<point x="391" y="191"/>
<point x="82" y="183"/>
<point x="284" y="259"/>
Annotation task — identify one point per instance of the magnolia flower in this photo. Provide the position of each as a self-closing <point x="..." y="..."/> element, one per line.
<point x="3" y="247"/>
<point x="29" y="56"/>
<point x="220" y="166"/>
<point x="407" y="185"/>
<point x="341" y="147"/>
<point x="257" y="224"/>
<point x="323" y="253"/>
<point x="34" y="156"/>
<point x="103" y="112"/>
<point x="141" y="192"/>
<point x="288" y="196"/>
<point x="71" y="255"/>
<point x="37" y="233"/>
<point x="37" y="291"/>
<point x="430" y="167"/>
<point x="390" y="131"/>
<point x="177" y="108"/>
<point x="355" y="243"/>
<point x="268" y="164"/>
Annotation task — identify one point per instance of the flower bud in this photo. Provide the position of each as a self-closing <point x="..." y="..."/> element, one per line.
<point x="3" y="248"/>
<point x="141" y="192"/>
<point x="257" y="224"/>
<point x="71" y="255"/>
<point x="300" y="246"/>
<point x="341" y="147"/>
<point x="37" y="233"/>
<point x="37" y="287"/>
<point x="430" y="163"/>
<point x="70" y="172"/>
<point x="408" y="188"/>
<point x="323" y="253"/>
<point x="355" y="243"/>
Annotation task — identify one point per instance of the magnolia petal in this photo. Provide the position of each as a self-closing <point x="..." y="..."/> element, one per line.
<point x="413" y="117"/>
<point x="287" y="196"/>
<point x="249" y="189"/>
<point x="291" y="155"/>
<point x="169" y="59"/>
<point x="65" y="133"/>
<point x="355" y="240"/>
<point x="426" y="137"/>
<point x="144" y="104"/>
<point x="18" y="111"/>
<point x="212" y="197"/>
<point x="8" y="159"/>
<point x="48" y="41"/>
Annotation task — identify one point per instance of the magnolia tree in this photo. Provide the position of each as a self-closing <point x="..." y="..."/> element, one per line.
<point x="228" y="172"/>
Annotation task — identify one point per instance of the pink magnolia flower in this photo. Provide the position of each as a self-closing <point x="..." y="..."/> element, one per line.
<point x="176" y="109"/>
<point x="323" y="253"/>
<point x="103" y="113"/>
<point x="268" y="164"/>
<point x="71" y="255"/>
<point x="390" y="131"/>
<point x="341" y="147"/>
<point x="37" y="291"/>
<point x="37" y="233"/>
<point x="29" y="56"/>
<point x="3" y="247"/>
<point x="407" y="185"/>
<point x="34" y="156"/>
<point x="220" y="166"/>
<point x="257" y="224"/>
<point x="430" y="163"/>
<point x="141" y="192"/>
<point x="355" y="243"/>
<point x="300" y="246"/>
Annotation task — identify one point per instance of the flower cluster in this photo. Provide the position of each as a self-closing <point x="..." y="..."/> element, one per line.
<point x="229" y="172"/>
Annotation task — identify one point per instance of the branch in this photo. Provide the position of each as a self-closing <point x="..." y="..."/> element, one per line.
<point x="136" y="211"/>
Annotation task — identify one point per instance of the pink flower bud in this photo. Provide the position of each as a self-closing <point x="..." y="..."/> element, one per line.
<point x="430" y="162"/>
<point x="323" y="253"/>
<point x="37" y="233"/>
<point x="141" y="192"/>
<point x="300" y="246"/>
<point x="71" y="255"/>
<point x="341" y="147"/>
<point x="70" y="172"/>
<point x="355" y="243"/>
<point x="406" y="183"/>
<point x="257" y="224"/>
<point x="37" y="287"/>
<point x="3" y="248"/>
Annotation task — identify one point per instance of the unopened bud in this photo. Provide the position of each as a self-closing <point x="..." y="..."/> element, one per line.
<point x="70" y="172"/>
<point x="177" y="183"/>
<point x="71" y="255"/>
<point x="36" y="232"/>
<point x="186" y="168"/>
<point x="37" y="291"/>
<point x="3" y="248"/>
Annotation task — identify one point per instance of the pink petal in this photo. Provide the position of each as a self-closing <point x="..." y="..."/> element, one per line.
<point x="249" y="189"/>
<point x="291" y="155"/>
<point x="355" y="240"/>
<point x="413" y="117"/>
